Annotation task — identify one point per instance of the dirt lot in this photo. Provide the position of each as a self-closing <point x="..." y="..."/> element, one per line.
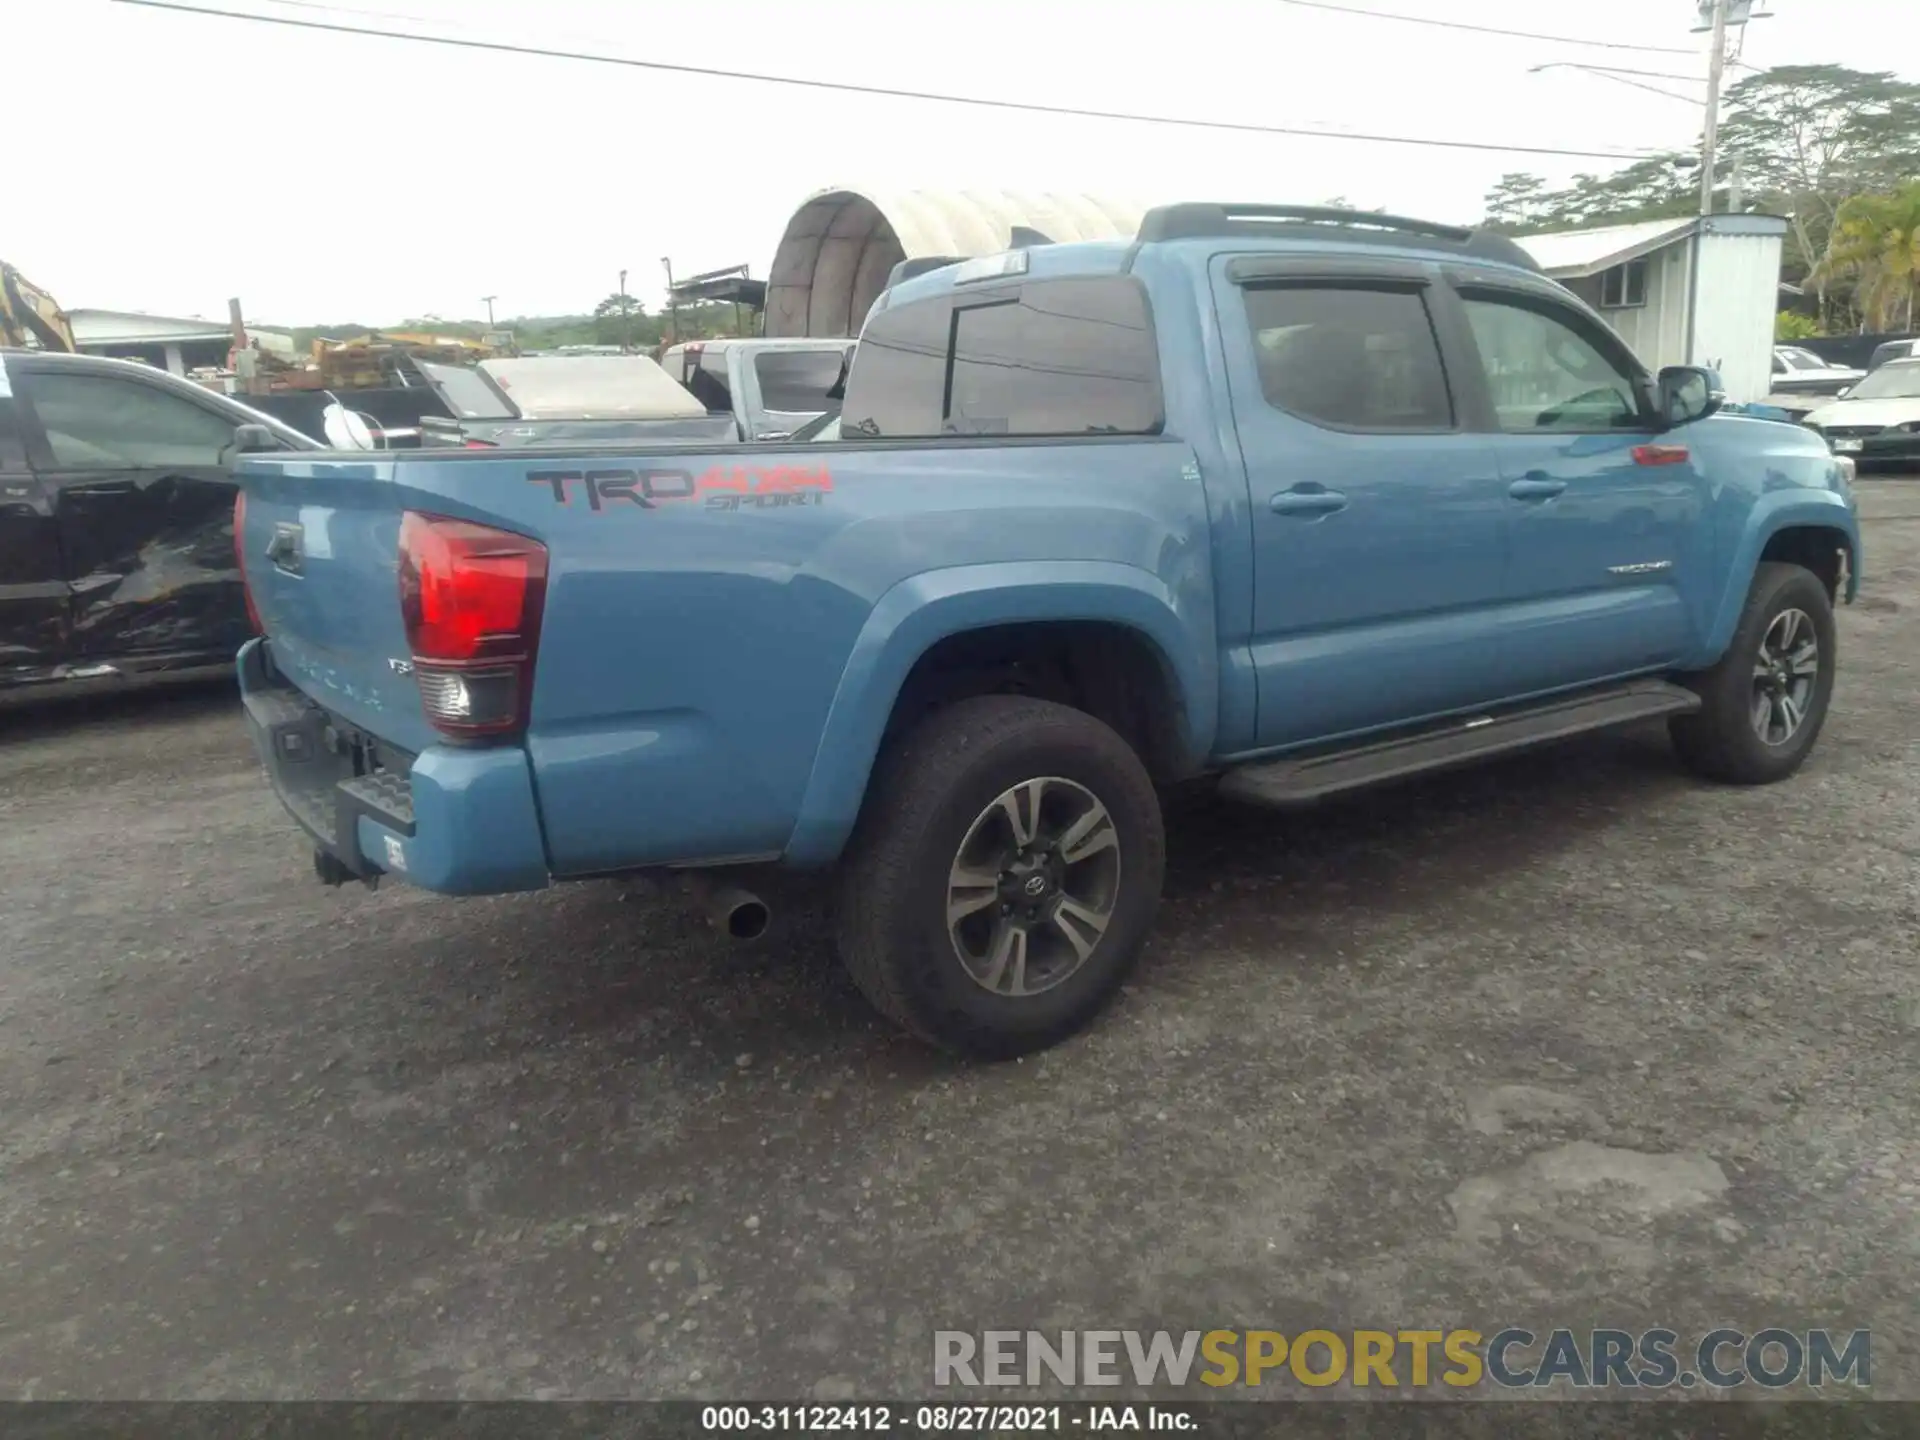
<point x="1575" y="1040"/>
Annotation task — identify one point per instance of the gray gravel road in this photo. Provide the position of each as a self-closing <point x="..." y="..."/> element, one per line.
<point x="1573" y="1040"/>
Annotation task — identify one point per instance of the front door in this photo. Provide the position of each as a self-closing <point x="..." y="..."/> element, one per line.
<point x="143" y="504"/>
<point x="1377" y="516"/>
<point x="1606" y="513"/>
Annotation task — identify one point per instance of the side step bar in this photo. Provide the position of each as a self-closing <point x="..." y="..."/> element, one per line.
<point x="1302" y="780"/>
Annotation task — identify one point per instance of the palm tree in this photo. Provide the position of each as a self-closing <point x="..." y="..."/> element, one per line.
<point x="1876" y="240"/>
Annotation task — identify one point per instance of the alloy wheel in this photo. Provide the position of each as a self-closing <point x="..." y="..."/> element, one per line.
<point x="1033" y="886"/>
<point x="1785" y="673"/>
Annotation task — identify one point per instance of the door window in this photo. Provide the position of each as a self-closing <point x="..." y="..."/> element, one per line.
<point x="1345" y="356"/>
<point x="797" y="380"/>
<point x="1049" y="357"/>
<point x="1543" y="374"/>
<point x="102" y="422"/>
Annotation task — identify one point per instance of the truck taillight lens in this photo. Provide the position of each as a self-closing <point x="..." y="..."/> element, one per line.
<point x="471" y="596"/>
<point x="240" y="559"/>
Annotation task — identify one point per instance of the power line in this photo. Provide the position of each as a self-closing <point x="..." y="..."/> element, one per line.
<point x="1483" y="29"/>
<point x="880" y="92"/>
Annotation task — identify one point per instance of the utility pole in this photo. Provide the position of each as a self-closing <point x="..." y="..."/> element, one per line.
<point x="490" y="299"/>
<point x="673" y="304"/>
<point x="626" y="320"/>
<point x="1716" y="73"/>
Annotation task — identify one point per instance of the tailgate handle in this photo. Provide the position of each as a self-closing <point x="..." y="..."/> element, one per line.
<point x="286" y="549"/>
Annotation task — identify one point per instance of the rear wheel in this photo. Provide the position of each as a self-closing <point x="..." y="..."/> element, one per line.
<point x="1763" y="705"/>
<point x="1003" y="876"/>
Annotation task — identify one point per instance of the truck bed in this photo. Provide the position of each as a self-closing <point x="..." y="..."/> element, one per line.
<point x="703" y="609"/>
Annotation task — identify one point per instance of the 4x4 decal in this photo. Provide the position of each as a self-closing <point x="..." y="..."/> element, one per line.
<point x="722" y="487"/>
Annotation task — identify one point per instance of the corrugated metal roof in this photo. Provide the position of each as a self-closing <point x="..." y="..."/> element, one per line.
<point x="1569" y="254"/>
<point x="841" y="243"/>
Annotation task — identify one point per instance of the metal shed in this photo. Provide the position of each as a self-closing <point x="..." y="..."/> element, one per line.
<point x="1699" y="291"/>
<point x="841" y="243"/>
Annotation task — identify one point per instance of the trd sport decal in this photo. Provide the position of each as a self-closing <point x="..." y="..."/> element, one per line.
<point x="724" y="487"/>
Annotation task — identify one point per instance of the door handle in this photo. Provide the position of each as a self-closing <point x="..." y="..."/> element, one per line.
<point x="107" y="487"/>
<point x="1536" y="487"/>
<point x="1307" y="502"/>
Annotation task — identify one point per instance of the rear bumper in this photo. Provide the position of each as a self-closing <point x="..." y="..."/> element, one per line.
<point x="459" y="821"/>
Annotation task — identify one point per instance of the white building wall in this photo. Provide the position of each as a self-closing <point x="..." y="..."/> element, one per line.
<point x="1733" y="314"/>
<point x="1657" y="330"/>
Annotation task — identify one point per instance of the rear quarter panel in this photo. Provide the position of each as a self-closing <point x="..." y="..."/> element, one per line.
<point x="725" y="635"/>
<point x="724" y="632"/>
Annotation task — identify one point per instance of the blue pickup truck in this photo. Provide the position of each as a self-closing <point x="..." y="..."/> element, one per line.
<point x="1292" y="499"/>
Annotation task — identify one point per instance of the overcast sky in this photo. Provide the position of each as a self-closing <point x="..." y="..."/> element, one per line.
<point x="163" y="162"/>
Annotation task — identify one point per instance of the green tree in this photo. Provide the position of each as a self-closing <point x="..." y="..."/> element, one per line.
<point x="1875" y="241"/>
<point x="1810" y="137"/>
<point x="1656" y="188"/>
<point x="617" y="319"/>
<point x="1791" y="325"/>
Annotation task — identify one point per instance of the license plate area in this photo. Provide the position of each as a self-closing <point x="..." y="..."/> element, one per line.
<point x="327" y="773"/>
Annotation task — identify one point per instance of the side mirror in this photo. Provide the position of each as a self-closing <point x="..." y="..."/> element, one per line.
<point x="1689" y="393"/>
<point x="253" y="440"/>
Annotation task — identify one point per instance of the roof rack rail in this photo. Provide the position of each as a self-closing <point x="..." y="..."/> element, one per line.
<point x="921" y="265"/>
<point x="1206" y="220"/>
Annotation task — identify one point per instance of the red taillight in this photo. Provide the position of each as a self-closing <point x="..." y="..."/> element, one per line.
<point x="240" y="559"/>
<point x="481" y="445"/>
<point x="471" y="596"/>
<point x="1659" y="454"/>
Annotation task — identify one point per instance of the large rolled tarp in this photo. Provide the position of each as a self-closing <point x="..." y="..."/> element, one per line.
<point x="841" y="244"/>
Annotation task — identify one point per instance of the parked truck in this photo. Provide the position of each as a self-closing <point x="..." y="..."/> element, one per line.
<point x="772" y="388"/>
<point x="1295" y="500"/>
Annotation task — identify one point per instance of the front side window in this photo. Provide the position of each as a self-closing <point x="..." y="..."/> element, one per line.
<point x="1543" y="374"/>
<point x="95" y="421"/>
<point x="1049" y="357"/>
<point x="1347" y="356"/>
<point x="797" y="380"/>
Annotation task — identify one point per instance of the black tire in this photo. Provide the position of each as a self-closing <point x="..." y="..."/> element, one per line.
<point x="929" y="790"/>
<point x="1721" y="740"/>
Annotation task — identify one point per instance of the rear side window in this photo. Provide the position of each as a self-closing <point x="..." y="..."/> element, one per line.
<point x="99" y="420"/>
<point x="797" y="380"/>
<point x="1050" y="357"/>
<point x="1350" y="357"/>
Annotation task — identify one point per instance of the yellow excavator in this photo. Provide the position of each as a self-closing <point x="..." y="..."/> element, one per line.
<point x="29" y="316"/>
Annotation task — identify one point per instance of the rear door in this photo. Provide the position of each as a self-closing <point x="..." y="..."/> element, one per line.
<point x="1378" y="516"/>
<point x="143" y="506"/>
<point x="33" y="586"/>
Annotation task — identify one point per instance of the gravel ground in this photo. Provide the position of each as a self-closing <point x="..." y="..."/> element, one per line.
<point x="1572" y="1040"/>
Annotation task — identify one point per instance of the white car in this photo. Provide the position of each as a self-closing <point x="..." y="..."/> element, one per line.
<point x="1801" y="371"/>
<point x="1877" y="420"/>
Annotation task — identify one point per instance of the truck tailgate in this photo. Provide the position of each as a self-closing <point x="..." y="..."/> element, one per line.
<point x="320" y="543"/>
